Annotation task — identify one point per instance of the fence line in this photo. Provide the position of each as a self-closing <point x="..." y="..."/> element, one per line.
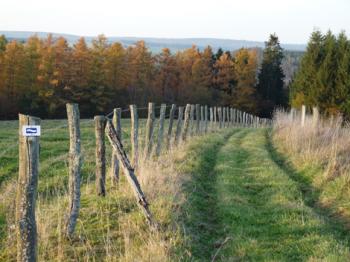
<point x="193" y="120"/>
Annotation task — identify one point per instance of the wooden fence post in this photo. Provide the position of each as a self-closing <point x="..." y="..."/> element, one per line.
<point x="205" y="119"/>
<point x="100" y="153"/>
<point x="215" y="117"/>
<point x="179" y="125"/>
<point x="117" y="115"/>
<point x="134" y="136"/>
<point x="211" y="117"/>
<point x="186" y="122"/>
<point x="292" y="114"/>
<point x="315" y="116"/>
<point x="161" y="129"/>
<point x="220" y="117"/>
<point x="75" y="162"/>
<point x="26" y="191"/>
<point x="228" y="116"/>
<point x="223" y="117"/>
<point x="171" y="123"/>
<point x="192" y="113"/>
<point x="149" y="131"/>
<point x="303" y="113"/>
<point x="198" y="118"/>
<point x="201" y="123"/>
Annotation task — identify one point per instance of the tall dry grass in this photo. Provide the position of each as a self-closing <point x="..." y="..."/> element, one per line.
<point x="111" y="228"/>
<point x="324" y="142"/>
<point x="319" y="152"/>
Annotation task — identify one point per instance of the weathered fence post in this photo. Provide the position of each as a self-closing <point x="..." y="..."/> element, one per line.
<point x="292" y="114"/>
<point x="75" y="162"/>
<point x="215" y="115"/>
<point x="117" y="115"/>
<point x="134" y="136"/>
<point x="201" y="123"/>
<point x="220" y="117"/>
<point x="161" y="129"/>
<point x="211" y="117"/>
<point x="26" y="191"/>
<point x="205" y="119"/>
<point x="179" y="125"/>
<point x="100" y="153"/>
<point x="223" y="117"/>
<point x="315" y="116"/>
<point x="191" y="127"/>
<point x="171" y="122"/>
<point x="149" y="131"/>
<point x="186" y="122"/>
<point x="303" y="112"/>
<point x="198" y="118"/>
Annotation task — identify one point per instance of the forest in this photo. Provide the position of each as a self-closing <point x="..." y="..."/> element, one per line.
<point x="39" y="76"/>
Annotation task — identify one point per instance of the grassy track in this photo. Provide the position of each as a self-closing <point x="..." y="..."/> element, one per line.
<point x="240" y="193"/>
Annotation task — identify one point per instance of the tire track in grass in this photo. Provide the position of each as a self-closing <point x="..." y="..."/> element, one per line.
<point x="202" y="225"/>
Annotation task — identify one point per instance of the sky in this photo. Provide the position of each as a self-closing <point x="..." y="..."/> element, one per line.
<point x="292" y="20"/>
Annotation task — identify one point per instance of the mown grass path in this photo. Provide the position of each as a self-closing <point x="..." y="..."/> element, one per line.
<point x="243" y="205"/>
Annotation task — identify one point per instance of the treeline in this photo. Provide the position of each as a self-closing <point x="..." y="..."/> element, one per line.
<point x="323" y="79"/>
<point x="39" y="76"/>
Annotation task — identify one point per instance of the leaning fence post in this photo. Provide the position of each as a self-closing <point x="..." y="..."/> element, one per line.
<point x="186" y="122"/>
<point x="303" y="112"/>
<point x="161" y="129"/>
<point x="75" y="162"/>
<point x="134" y="136"/>
<point x="149" y="130"/>
<point x="179" y="125"/>
<point x="171" y="123"/>
<point x="117" y="115"/>
<point x="26" y="191"/>
<point x="100" y="153"/>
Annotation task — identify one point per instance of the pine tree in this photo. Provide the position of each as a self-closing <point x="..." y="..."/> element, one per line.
<point x="305" y="85"/>
<point x="270" y="85"/>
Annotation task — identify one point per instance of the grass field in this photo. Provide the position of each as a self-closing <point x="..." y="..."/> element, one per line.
<point x="227" y="195"/>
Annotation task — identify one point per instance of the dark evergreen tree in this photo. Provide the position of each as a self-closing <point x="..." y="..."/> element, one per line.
<point x="270" y="86"/>
<point x="306" y="83"/>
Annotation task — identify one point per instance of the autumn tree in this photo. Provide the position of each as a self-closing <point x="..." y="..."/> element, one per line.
<point x="245" y="74"/>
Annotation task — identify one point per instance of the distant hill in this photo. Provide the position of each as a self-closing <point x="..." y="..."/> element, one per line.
<point x="156" y="44"/>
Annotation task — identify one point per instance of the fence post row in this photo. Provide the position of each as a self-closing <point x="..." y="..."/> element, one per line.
<point x="26" y="191"/>
<point x="75" y="163"/>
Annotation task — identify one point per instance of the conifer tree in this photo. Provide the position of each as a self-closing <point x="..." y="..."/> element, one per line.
<point x="270" y="85"/>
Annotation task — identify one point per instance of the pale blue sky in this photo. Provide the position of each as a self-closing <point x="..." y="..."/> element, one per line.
<point x="292" y="20"/>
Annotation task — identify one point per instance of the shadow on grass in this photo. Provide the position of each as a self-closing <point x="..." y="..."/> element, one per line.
<point x="200" y="217"/>
<point x="335" y="226"/>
